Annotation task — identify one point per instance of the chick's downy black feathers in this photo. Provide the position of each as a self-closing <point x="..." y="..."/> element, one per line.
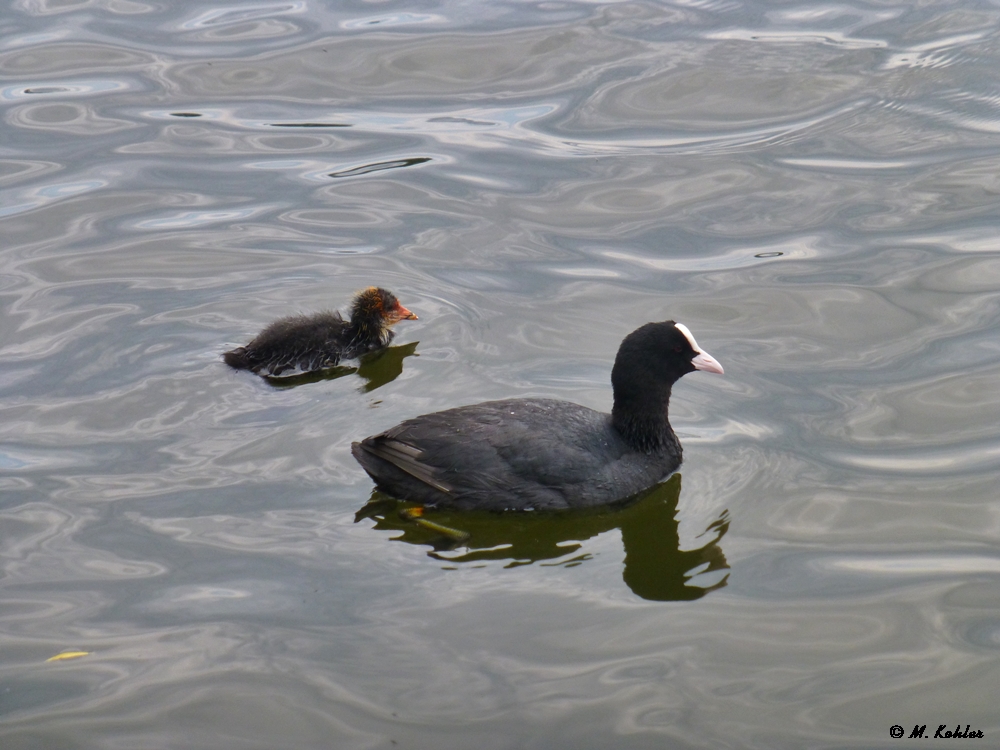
<point x="306" y="343"/>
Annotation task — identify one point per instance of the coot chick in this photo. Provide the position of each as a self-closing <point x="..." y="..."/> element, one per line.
<point x="305" y="343"/>
<point x="545" y="454"/>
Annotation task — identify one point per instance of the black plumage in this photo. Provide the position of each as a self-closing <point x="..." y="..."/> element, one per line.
<point x="306" y="343"/>
<point x="535" y="454"/>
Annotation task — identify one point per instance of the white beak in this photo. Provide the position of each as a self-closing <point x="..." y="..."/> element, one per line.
<point x="702" y="360"/>
<point x="707" y="363"/>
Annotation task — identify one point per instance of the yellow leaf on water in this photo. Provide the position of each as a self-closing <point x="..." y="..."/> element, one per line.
<point x="68" y="655"/>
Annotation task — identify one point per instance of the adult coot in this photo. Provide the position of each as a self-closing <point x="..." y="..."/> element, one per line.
<point x="304" y="343"/>
<point x="545" y="454"/>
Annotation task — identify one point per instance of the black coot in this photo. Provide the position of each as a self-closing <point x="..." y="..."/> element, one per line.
<point x="305" y="343"/>
<point x="545" y="454"/>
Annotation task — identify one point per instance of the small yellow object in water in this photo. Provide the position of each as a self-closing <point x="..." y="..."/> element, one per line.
<point x="416" y="515"/>
<point x="68" y="655"/>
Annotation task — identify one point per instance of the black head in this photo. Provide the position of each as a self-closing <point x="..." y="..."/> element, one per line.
<point x="649" y="361"/>
<point x="663" y="351"/>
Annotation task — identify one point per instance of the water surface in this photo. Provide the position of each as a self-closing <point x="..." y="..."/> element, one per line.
<point x="812" y="189"/>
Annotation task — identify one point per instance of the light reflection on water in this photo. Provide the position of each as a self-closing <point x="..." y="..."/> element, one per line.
<point x="811" y="189"/>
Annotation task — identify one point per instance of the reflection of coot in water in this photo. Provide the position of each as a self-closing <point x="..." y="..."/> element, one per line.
<point x="655" y="566"/>
<point x="544" y="454"/>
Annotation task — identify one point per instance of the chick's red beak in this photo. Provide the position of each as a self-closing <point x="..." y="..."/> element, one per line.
<point x="405" y="314"/>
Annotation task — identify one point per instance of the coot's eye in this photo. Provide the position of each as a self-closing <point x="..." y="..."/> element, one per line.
<point x="677" y="350"/>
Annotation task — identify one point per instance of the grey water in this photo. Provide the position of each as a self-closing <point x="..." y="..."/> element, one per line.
<point x="812" y="188"/>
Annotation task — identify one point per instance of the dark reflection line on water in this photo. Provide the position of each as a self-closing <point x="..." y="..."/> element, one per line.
<point x="380" y="166"/>
<point x="462" y="121"/>
<point x="393" y="19"/>
<point x="655" y="567"/>
<point x="65" y="88"/>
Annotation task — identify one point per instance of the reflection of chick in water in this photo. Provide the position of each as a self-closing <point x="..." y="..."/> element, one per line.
<point x="375" y="369"/>
<point x="655" y="566"/>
